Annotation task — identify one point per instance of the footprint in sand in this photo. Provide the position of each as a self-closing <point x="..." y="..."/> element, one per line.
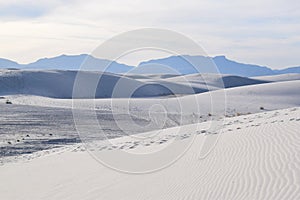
<point x="184" y="136"/>
<point x="162" y="141"/>
<point x="103" y="148"/>
<point x="132" y="147"/>
<point x="201" y="132"/>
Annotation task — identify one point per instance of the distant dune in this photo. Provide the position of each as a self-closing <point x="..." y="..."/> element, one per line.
<point x="59" y="84"/>
<point x="246" y="99"/>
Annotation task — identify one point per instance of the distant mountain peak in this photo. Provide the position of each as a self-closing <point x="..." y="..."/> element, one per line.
<point x="5" y="63"/>
<point x="187" y="64"/>
<point x="176" y="64"/>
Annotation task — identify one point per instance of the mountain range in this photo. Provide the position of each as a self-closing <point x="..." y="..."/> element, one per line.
<point x="171" y="65"/>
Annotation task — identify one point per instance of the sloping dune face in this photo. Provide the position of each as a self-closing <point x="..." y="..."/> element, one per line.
<point x="270" y="96"/>
<point x="256" y="157"/>
<point x="281" y="77"/>
<point x="60" y="84"/>
<point x="215" y="81"/>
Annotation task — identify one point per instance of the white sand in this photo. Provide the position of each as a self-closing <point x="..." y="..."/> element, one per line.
<point x="256" y="155"/>
<point x="260" y="160"/>
<point x="277" y="95"/>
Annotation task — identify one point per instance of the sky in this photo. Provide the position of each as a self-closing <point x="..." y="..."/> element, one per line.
<point x="264" y="32"/>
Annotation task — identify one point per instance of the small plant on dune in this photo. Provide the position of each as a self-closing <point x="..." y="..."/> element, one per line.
<point x="8" y="102"/>
<point x="209" y="114"/>
<point x="261" y="108"/>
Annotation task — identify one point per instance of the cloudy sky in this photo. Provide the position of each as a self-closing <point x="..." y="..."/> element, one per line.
<point x="264" y="32"/>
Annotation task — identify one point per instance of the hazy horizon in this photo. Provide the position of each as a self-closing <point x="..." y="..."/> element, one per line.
<point x="264" y="33"/>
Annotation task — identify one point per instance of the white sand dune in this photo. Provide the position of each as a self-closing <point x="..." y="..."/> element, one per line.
<point x="215" y="80"/>
<point x="59" y="84"/>
<point x="270" y="96"/>
<point x="256" y="157"/>
<point x="277" y="78"/>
